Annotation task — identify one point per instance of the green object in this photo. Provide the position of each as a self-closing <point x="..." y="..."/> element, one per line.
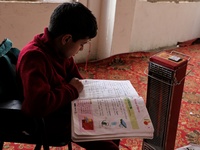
<point x="5" y="46"/>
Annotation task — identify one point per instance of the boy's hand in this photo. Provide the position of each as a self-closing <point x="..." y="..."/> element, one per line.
<point x="77" y="84"/>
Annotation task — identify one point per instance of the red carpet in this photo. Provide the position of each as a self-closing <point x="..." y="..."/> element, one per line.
<point x="132" y="66"/>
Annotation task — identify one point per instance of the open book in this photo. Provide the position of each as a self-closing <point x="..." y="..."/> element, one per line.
<point x="109" y="109"/>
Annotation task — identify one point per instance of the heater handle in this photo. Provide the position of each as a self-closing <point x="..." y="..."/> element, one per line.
<point x="145" y="72"/>
<point x="188" y="58"/>
<point x="175" y="82"/>
<point x="179" y="53"/>
<point x="187" y="73"/>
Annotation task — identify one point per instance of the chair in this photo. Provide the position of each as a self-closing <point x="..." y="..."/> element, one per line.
<point x="14" y="123"/>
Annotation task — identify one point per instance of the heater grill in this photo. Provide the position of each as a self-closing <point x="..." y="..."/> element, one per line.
<point x="146" y="146"/>
<point x="164" y="97"/>
<point x="161" y="72"/>
<point x="159" y="95"/>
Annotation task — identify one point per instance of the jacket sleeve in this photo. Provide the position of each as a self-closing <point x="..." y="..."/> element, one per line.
<point x="41" y="95"/>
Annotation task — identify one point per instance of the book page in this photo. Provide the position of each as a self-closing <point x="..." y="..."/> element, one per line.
<point x="106" y="89"/>
<point x="109" y="109"/>
<point x="127" y="115"/>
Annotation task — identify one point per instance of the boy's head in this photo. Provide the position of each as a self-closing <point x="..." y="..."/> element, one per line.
<point x="74" y="19"/>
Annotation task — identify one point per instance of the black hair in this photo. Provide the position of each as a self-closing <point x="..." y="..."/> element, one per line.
<point x="75" y="19"/>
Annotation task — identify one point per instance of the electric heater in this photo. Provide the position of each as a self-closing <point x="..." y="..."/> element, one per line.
<point x="166" y="76"/>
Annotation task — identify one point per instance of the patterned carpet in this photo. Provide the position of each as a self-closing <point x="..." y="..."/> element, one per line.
<point x="132" y="66"/>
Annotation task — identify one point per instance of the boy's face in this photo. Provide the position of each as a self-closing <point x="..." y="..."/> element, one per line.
<point x="72" y="48"/>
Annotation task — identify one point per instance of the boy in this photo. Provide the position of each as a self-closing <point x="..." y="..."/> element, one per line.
<point x="49" y="76"/>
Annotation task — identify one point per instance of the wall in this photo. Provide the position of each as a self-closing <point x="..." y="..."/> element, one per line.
<point x="124" y="26"/>
<point x="124" y="16"/>
<point x="164" y="24"/>
<point x="21" y="21"/>
<point x="106" y="27"/>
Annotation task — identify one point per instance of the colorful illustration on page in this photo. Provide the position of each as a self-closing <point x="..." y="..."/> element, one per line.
<point x="87" y="123"/>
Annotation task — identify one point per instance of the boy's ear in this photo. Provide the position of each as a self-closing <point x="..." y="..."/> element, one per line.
<point x="66" y="38"/>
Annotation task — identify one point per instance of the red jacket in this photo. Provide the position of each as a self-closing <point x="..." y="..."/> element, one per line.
<point x="44" y="77"/>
